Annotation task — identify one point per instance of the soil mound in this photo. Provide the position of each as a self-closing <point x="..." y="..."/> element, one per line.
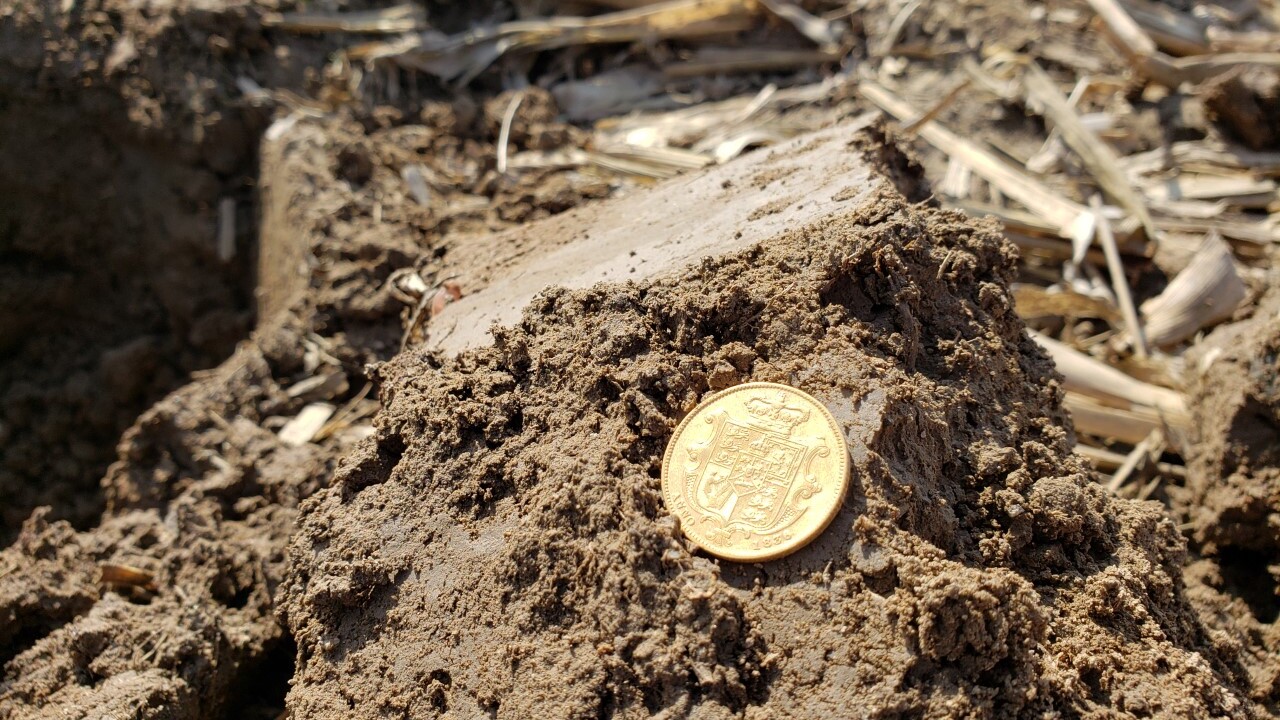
<point x="1235" y="454"/>
<point x="203" y="493"/>
<point x="127" y="155"/>
<point x="499" y="546"/>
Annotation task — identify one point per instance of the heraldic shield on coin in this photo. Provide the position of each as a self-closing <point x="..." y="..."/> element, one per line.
<point x="755" y="472"/>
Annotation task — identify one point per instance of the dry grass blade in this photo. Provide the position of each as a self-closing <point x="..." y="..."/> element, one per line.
<point x="396" y="19"/>
<point x="354" y="410"/>
<point x="1128" y="34"/>
<point x="1208" y="291"/>
<point x="1136" y="44"/>
<point x="938" y="107"/>
<point x="1048" y="157"/>
<point x="1199" y="68"/>
<point x="1226" y="40"/>
<point x="1102" y="161"/>
<point x="1260" y="233"/>
<point x="1146" y="451"/>
<point x="1119" y="283"/>
<point x="1013" y="182"/>
<point x="658" y="163"/>
<point x="686" y="126"/>
<point x="956" y="182"/>
<point x="713" y="132"/>
<point x="1050" y="250"/>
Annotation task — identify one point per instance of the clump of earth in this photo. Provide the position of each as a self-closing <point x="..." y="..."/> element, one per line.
<point x="186" y="264"/>
<point x="500" y="544"/>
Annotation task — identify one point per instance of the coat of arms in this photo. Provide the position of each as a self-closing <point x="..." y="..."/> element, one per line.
<point x="753" y="474"/>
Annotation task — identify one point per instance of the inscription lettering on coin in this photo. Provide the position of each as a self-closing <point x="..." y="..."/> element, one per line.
<point x="755" y="472"/>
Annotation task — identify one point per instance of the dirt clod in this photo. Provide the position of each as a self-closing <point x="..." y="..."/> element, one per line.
<point x="500" y="546"/>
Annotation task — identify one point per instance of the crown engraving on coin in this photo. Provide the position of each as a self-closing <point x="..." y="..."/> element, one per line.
<point x="755" y="472"/>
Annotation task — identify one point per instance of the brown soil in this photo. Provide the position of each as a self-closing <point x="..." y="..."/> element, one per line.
<point x="118" y="140"/>
<point x="955" y="582"/>
<point x="203" y="494"/>
<point x="500" y="545"/>
<point x="1232" y="500"/>
<point x="1237" y="399"/>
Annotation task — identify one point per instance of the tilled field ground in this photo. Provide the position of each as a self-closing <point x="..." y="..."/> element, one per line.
<point x="193" y="256"/>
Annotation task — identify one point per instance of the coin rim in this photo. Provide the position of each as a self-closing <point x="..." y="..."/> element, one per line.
<point x="786" y="548"/>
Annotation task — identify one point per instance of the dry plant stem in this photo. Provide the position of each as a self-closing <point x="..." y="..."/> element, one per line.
<point x="1102" y="382"/>
<point x="748" y="60"/>
<point x="1142" y="451"/>
<point x="1032" y="233"/>
<point x="1239" y="190"/>
<point x="1102" y="161"/>
<point x="1050" y="153"/>
<point x="1142" y="52"/>
<point x="1118" y="281"/>
<point x="1014" y="183"/>
<point x="896" y="26"/>
<point x="1261" y="233"/>
<point x="1206" y="292"/>
<point x="955" y="182"/>
<point x="823" y="33"/>
<point x="1199" y="68"/>
<point x="1173" y="32"/>
<point x="346" y="415"/>
<point x="1108" y="461"/>
<point x="1137" y="46"/>
<point x="1133" y="40"/>
<point x="1194" y="154"/>
<point x="461" y="57"/>
<point x="1150" y="488"/>
<point x="395" y="19"/>
<point x="1225" y="40"/>
<point x="1091" y="417"/>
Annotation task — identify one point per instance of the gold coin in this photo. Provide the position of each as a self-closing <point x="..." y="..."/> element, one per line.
<point x="755" y="472"/>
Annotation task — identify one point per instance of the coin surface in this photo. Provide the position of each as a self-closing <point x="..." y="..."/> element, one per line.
<point x="755" y="472"/>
